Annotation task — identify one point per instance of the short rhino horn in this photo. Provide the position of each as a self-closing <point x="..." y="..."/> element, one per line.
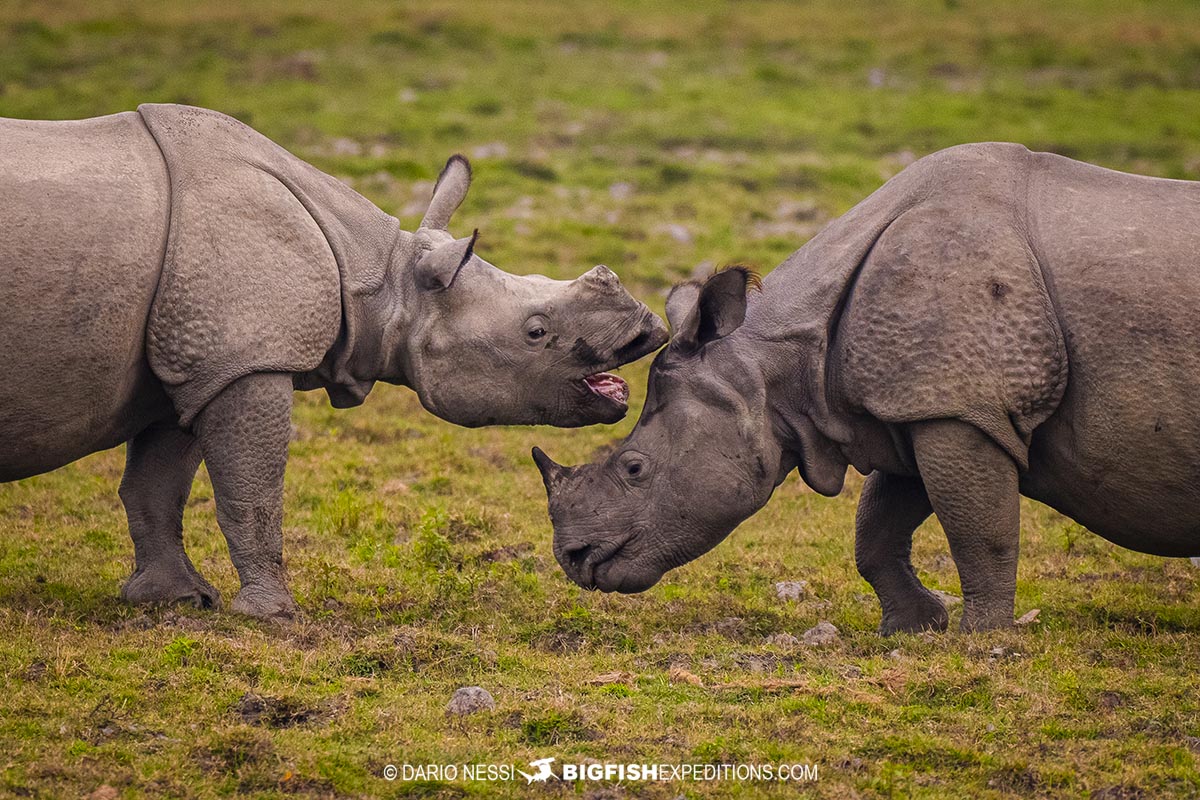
<point x="602" y="278"/>
<point x="552" y="473"/>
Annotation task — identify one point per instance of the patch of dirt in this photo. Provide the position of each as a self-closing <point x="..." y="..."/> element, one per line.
<point x="1118" y="792"/>
<point x="508" y="552"/>
<point x="279" y="712"/>
<point x="240" y="750"/>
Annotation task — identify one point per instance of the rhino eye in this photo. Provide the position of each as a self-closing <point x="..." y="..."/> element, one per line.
<point x="634" y="465"/>
<point x="535" y="328"/>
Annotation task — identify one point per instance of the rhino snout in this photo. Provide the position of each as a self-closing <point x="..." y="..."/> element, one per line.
<point x="603" y="564"/>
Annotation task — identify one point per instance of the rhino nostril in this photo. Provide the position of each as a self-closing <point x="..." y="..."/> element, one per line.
<point x="634" y="346"/>
<point x="577" y="555"/>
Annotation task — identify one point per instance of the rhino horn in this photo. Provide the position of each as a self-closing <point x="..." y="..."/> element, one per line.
<point x="552" y="473"/>
<point x="448" y="193"/>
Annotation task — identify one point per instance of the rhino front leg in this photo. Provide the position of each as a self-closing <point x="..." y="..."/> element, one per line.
<point x="889" y="510"/>
<point x="160" y="464"/>
<point x="244" y="435"/>
<point x="972" y="485"/>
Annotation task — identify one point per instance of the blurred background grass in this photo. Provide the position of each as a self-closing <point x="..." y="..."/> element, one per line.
<point x="661" y="139"/>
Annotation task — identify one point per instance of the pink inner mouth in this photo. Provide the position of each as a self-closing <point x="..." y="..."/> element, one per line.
<point x="608" y="386"/>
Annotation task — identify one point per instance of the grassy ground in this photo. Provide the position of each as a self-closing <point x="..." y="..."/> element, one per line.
<point x="657" y="138"/>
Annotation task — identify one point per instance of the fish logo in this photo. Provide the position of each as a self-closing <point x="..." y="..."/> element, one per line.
<point x="543" y="773"/>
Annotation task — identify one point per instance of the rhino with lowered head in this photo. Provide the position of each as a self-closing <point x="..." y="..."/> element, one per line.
<point x="991" y="322"/>
<point x="168" y="277"/>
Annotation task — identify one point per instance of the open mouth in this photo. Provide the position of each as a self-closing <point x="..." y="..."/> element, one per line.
<point x="608" y="386"/>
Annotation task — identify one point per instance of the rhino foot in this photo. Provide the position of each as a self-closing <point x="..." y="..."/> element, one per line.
<point x="169" y="586"/>
<point x="268" y="603"/>
<point x="924" y="613"/>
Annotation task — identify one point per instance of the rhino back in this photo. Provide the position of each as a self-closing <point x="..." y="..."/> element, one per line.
<point x="1122" y="256"/>
<point x="83" y="218"/>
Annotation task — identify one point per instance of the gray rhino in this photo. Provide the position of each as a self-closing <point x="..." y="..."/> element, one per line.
<point x="991" y="322"/>
<point x="168" y="277"/>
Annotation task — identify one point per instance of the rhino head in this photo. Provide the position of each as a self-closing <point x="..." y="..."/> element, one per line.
<point x="703" y="457"/>
<point x="481" y="346"/>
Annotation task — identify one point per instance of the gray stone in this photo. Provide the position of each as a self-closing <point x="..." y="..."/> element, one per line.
<point x="820" y="634"/>
<point x="469" y="700"/>
<point x="790" y="590"/>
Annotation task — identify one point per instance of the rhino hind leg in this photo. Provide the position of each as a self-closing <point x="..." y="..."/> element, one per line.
<point x="972" y="486"/>
<point x="244" y="433"/>
<point x="160" y="464"/>
<point x="889" y="510"/>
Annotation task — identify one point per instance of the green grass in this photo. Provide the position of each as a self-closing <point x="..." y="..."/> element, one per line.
<point x="657" y="138"/>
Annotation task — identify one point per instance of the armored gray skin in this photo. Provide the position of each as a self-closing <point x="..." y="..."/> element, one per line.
<point x="991" y="322"/>
<point x="169" y="276"/>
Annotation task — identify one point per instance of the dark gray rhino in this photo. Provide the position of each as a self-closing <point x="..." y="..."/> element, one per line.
<point x="991" y="322"/>
<point x="169" y="276"/>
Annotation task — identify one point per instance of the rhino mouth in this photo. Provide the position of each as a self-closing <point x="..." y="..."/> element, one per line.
<point x="582" y="563"/>
<point x="609" y="387"/>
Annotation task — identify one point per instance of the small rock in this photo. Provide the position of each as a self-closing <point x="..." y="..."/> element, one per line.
<point x="731" y="627"/>
<point x="1195" y="561"/>
<point x="678" y="232"/>
<point x="851" y="671"/>
<point x="407" y="95"/>
<point x="802" y="211"/>
<point x="104" y="792"/>
<point x="755" y="664"/>
<point x="790" y="590"/>
<point x="681" y="675"/>
<point x="470" y="699"/>
<point x="342" y="146"/>
<point x="1028" y="617"/>
<point x="621" y="190"/>
<point x="895" y="653"/>
<point x="822" y="633"/>
<point x="609" y="678"/>
<point x="490" y="150"/>
<point x="782" y="640"/>
<point x="877" y="78"/>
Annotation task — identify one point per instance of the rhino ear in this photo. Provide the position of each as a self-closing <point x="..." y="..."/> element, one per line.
<point x="438" y="268"/>
<point x="448" y="193"/>
<point x="700" y="313"/>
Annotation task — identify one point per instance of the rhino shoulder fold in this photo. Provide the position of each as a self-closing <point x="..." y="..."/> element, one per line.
<point x="950" y="317"/>
<point x="260" y="248"/>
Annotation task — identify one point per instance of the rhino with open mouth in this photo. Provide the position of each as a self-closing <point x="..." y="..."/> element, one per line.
<point x="168" y="277"/>
<point x="991" y="322"/>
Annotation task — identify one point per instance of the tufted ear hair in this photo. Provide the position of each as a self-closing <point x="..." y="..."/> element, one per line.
<point x="448" y="193"/>
<point x="438" y="268"/>
<point x="700" y="313"/>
